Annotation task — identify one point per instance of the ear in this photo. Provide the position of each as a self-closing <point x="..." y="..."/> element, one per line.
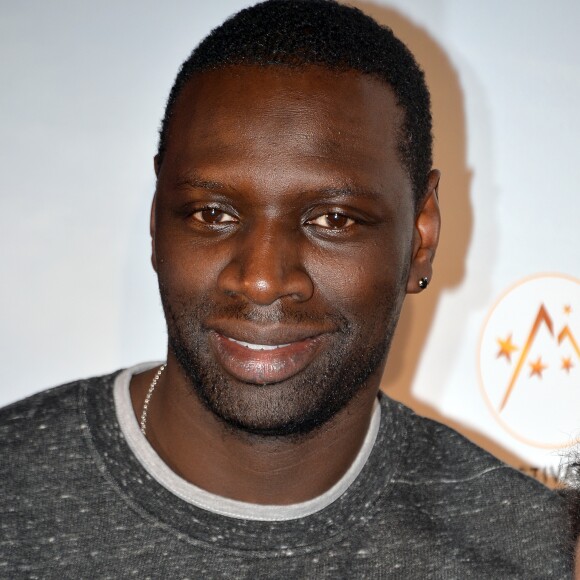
<point x="156" y="166"/>
<point x="152" y="232"/>
<point x="426" y="235"/>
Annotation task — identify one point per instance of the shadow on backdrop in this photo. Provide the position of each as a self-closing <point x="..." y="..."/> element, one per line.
<point x="450" y="155"/>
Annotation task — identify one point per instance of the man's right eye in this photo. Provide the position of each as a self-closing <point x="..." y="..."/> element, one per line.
<point x="213" y="215"/>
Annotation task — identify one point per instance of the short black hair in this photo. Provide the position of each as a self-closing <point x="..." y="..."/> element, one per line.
<point x="298" y="33"/>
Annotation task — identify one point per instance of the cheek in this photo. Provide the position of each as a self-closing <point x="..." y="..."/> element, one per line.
<point x="185" y="268"/>
<point x="358" y="281"/>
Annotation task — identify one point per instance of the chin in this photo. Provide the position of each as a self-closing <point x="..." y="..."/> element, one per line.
<point x="294" y="407"/>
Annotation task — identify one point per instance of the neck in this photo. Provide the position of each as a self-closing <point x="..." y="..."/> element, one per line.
<point x="245" y="467"/>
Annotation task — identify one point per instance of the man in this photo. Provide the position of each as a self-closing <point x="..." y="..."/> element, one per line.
<point x="295" y="207"/>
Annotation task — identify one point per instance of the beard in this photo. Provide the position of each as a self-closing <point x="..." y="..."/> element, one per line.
<point x="293" y="407"/>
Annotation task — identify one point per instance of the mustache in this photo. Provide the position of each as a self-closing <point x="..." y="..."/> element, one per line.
<point x="277" y="312"/>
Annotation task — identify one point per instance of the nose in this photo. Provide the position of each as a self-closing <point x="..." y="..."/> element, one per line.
<point x="265" y="266"/>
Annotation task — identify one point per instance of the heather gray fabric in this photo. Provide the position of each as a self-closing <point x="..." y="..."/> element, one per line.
<point x="76" y="503"/>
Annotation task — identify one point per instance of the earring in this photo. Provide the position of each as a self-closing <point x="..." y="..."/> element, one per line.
<point x="423" y="283"/>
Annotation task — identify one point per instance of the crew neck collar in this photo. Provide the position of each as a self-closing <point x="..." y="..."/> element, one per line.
<point x="224" y="506"/>
<point x="132" y="477"/>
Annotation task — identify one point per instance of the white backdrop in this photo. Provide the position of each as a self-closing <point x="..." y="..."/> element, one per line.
<point x="83" y="89"/>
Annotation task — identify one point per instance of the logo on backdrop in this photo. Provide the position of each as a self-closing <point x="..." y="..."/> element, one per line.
<point x="529" y="361"/>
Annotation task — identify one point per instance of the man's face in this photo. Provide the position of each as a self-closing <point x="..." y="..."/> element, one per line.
<point x="283" y="232"/>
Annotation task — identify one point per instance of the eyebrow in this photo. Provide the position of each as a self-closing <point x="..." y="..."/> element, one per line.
<point x="196" y="182"/>
<point x="348" y="191"/>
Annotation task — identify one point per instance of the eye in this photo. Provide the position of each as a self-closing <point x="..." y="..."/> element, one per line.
<point x="332" y="221"/>
<point x="213" y="215"/>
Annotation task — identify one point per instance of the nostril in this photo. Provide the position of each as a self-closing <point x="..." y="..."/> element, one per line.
<point x="264" y="268"/>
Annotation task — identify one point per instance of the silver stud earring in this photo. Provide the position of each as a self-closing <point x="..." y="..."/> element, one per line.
<point x="423" y="283"/>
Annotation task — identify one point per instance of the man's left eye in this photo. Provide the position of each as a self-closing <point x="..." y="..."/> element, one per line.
<point x="213" y="215"/>
<point x="332" y="221"/>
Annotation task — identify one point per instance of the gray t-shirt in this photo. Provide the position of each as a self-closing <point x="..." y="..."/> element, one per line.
<point x="82" y="498"/>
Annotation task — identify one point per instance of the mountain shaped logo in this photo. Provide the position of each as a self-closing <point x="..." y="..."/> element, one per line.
<point x="529" y="361"/>
<point x="537" y="367"/>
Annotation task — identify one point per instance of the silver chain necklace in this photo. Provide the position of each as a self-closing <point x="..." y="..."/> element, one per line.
<point x="143" y="422"/>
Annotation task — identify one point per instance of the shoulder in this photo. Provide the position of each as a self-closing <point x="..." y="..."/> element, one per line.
<point x="437" y="456"/>
<point x="449" y="486"/>
<point x="44" y="441"/>
<point x="29" y="426"/>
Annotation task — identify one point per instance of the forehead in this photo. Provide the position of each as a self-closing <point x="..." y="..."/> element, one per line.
<point x="312" y="117"/>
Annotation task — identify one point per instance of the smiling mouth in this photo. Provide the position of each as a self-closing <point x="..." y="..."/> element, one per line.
<point x="262" y="364"/>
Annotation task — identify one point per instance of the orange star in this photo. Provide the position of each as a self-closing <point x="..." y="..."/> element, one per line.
<point x="567" y="363"/>
<point x="538" y="367"/>
<point x="506" y="347"/>
<point x="567" y="309"/>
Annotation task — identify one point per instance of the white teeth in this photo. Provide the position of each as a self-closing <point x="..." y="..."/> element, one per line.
<point x="258" y="346"/>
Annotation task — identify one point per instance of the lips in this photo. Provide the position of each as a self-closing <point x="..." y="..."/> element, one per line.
<point x="266" y="359"/>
